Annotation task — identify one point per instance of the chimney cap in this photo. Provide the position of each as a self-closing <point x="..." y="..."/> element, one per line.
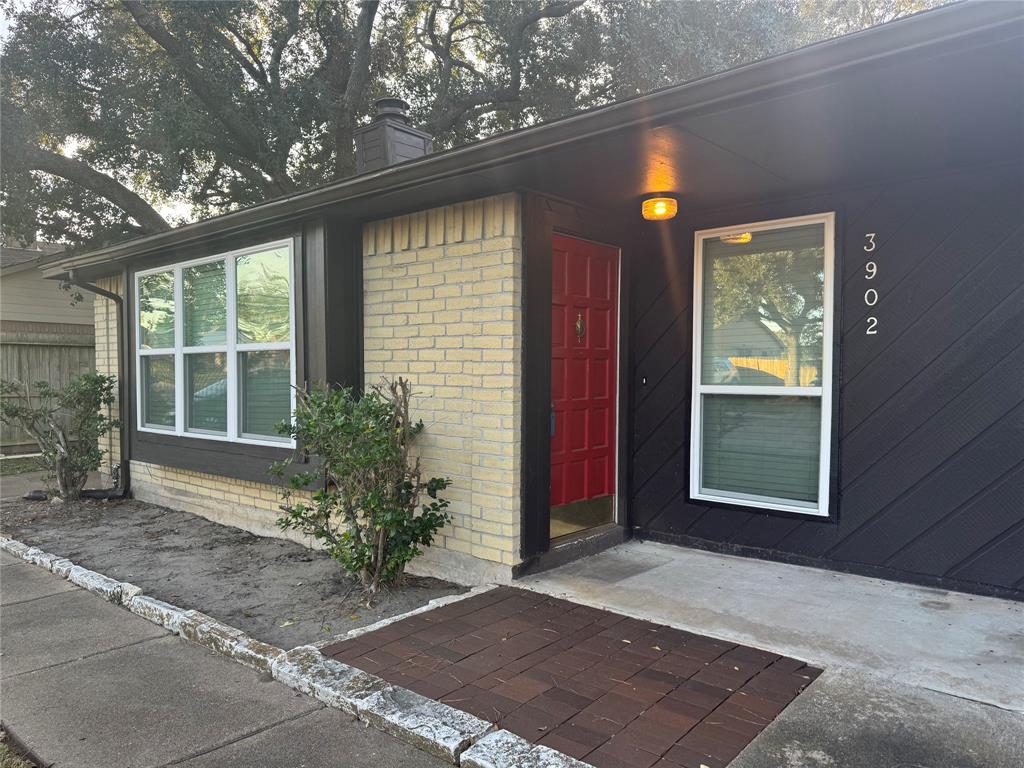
<point x="392" y="106"/>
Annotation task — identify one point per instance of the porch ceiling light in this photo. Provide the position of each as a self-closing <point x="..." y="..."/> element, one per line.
<point x="659" y="208"/>
<point x="738" y="239"/>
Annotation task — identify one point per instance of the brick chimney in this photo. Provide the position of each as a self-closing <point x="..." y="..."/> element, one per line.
<point x="389" y="138"/>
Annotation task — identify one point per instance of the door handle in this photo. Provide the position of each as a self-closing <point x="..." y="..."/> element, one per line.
<point x="581" y="328"/>
<point x="552" y="420"/>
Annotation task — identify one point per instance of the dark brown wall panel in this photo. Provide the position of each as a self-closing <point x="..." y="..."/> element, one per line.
<point x="929" y="413"/>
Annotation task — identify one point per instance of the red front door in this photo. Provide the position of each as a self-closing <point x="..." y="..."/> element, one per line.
<point x="584" y="329"/>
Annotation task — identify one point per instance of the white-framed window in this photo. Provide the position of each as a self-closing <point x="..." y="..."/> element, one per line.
<point x="215" y="346"/>
<point x="762" y="364"/>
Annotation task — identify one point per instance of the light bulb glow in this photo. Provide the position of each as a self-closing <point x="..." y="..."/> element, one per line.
<point x="659" y="208"/>
<point x="738" y="239"/>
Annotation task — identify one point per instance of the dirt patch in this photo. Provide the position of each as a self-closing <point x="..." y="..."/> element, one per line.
<point x="275" y="590"/>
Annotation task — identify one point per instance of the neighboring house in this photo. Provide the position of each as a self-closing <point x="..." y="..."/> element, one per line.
<point x="872" y="185"/>
<point x="42" y="336"/>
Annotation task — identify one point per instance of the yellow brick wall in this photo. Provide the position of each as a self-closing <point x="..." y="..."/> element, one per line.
<point x="442" y="308"/>
<point x="244" y="504"/>
<point x="105" y="319"/>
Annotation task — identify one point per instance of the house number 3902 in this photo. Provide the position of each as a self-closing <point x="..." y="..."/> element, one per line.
<point x="871" y="294"/>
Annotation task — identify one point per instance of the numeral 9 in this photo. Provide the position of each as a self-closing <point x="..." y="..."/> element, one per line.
<point x="870" y="270"/>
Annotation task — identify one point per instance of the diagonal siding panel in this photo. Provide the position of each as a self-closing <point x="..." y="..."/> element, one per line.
<point x="930" y="433"/>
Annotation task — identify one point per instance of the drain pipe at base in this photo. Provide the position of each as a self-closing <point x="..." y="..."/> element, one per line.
<point x="122" y="486"/>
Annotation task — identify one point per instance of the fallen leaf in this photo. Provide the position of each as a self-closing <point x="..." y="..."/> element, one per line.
<point x="286" y="623"/>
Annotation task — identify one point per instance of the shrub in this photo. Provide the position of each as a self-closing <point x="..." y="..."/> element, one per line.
<point x="367" y="511"/>
<point x="66" y="424"/>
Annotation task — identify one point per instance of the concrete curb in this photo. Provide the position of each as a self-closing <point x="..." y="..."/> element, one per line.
<point x="434" y="727"/>
<point x="97" y="583"/>
<point x="430" y="725"/>
<point x="502" y="749"/>
<point x="335" y="684"/>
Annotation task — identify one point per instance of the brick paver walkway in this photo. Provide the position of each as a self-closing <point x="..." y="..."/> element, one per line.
<point x="613" y="691"/>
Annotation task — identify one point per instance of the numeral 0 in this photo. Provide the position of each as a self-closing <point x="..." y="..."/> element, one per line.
<point x="869" y="246"/>
<point x="871" y="297"/>
<point x="872" y="326"/>
<point x="870" y="270"/>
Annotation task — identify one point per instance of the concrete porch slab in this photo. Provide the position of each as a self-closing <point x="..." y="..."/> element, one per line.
<point x="851" y="720"/>
<point x="964" y="645"/>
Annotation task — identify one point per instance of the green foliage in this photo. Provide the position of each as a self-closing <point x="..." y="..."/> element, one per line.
<point x="66" y="425"/>
<point x="367" y="510"/>
<point x="203" y="107"/>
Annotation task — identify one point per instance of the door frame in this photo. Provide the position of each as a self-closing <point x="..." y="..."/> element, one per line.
<point x="543" y="217"/>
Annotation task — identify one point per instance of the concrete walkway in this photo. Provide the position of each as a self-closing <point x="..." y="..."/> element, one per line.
<point x="914" y="676"/>
<point x="85" y="683"/>
<point x="16" y="486"/>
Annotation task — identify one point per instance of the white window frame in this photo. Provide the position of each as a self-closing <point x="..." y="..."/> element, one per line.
<point x="231" y="349"/>
<point x="824" y="392"/>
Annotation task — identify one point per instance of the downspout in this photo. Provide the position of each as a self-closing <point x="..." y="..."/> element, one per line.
<point x="122" y="490"/>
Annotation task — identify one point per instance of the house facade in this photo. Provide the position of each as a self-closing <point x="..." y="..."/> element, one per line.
<point x="816" y="360"/>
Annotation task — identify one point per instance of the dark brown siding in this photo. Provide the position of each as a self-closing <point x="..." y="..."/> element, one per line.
<point x="929" y="416"/>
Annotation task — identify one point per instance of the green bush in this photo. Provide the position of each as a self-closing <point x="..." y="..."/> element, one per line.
<point x="366" y="511"/>
<point x="66" y="425"/>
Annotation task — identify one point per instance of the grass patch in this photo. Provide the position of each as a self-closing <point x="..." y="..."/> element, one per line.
<point x="19" y="466"/>
<point x="9" y="758"/>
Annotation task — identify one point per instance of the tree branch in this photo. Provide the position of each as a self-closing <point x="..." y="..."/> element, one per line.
<point x="38" y="159"/>
<point x="251" y="63"/>
<point x="443" y="120"/>
<point x="290" y="11"/>
<point x="348" y="95"/>
<point x="249" y="140"/>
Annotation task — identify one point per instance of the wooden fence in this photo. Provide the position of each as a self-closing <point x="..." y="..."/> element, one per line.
<point x="50" y="352"/>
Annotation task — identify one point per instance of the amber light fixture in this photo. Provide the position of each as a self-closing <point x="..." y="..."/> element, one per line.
<point x="659" y="208"/>
<point x="737" y="239"/>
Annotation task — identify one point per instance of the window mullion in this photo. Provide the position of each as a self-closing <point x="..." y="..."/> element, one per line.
<point x="179" y="355"/>
<point x="232" y="353"/>
<point x="138" y="357"/>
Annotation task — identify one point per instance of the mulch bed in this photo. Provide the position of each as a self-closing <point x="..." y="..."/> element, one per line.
<point x="614" y="691"/>
<point x="275" y="590"/>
